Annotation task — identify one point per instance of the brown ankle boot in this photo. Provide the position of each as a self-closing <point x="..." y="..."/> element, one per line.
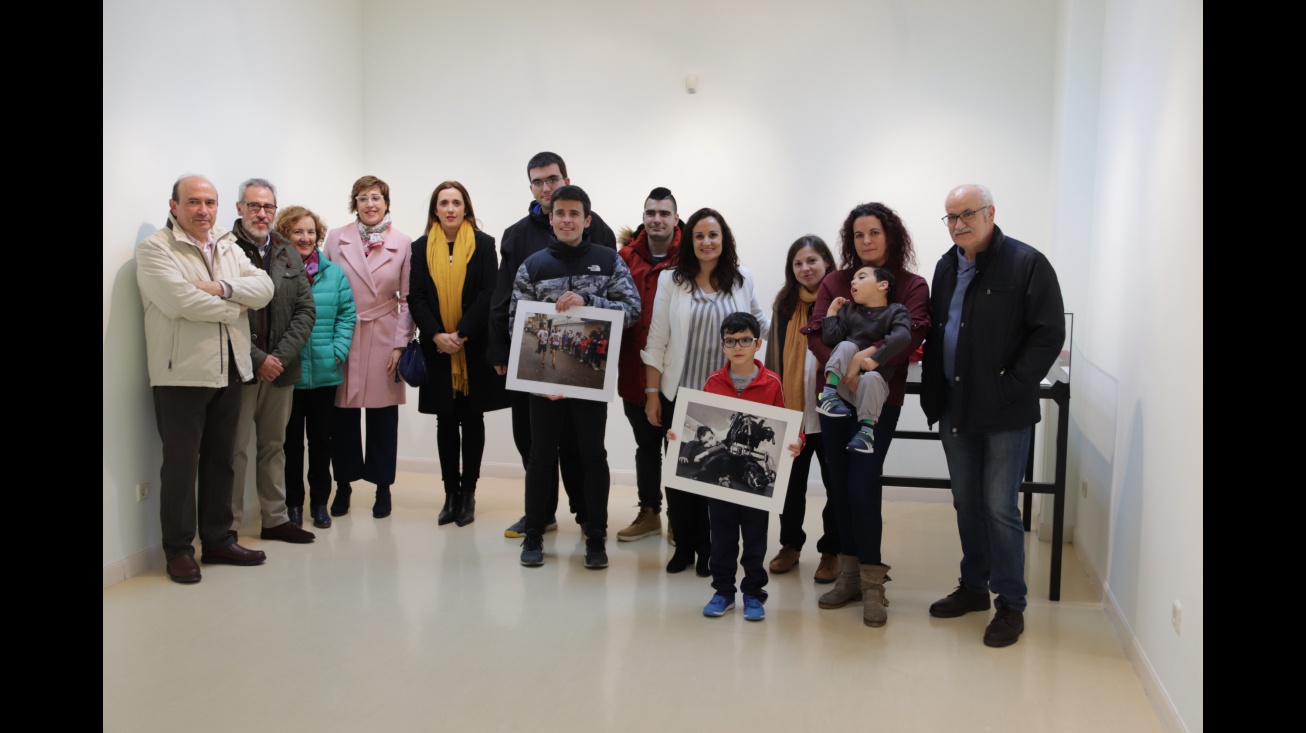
<point x="847" y="588"/>
<point x="874" y="604"/>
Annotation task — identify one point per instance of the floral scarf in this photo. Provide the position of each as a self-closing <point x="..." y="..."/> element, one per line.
<point x="374" y="237"/>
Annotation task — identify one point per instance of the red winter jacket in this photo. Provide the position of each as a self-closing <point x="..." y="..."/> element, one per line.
<point x="765" y="388"/>
<point x="630" y="368"/>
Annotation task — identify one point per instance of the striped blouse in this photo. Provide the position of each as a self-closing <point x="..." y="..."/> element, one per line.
<point x="703" y="354"/>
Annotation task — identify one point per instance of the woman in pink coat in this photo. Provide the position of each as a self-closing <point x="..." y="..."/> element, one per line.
<point x="375" y="257"/>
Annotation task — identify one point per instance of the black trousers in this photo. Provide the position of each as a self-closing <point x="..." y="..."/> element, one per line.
<point x="551" y="422"/>
<point x="568" y="458"/>
<point x="312" y="412"/>
<point x="461" y="434"/>
<point x="650" y="444"/>
<point x="347" y="457"/>
<point x="729" y="523"/>
<point x="795" y="508"/>
<point x="197" y="426"/>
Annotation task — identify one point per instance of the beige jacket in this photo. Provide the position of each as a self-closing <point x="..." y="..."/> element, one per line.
<point x="187" y="331"/>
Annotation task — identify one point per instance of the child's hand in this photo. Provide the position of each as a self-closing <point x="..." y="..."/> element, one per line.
<point x="835" y="305"/>
<point x="795" y="449"/>
<point x="671" y="436"/>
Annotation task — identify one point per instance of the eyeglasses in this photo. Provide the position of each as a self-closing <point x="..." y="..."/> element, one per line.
<point x="731" y="343"/>
<point x="551" y="180"/>
<point x="966" y="216"/>
<point x="375" y="198"/>
<point x="254" y="207"/>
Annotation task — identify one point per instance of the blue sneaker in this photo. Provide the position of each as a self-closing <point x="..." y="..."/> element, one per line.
<point x="718" y="605"/>
<point x="830" y="404"/>
<point x="863" y="441"/>
<point x="532" y="549"/>
<point x="753" y="610"/>
<point x="518" y="528"/>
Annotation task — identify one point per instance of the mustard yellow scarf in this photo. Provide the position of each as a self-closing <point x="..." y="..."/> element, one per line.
<point x="795" y="355"/>
<point x="449" y="273"/>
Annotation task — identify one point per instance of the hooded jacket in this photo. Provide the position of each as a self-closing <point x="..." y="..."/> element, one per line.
<point x="529" y="235"/>
<point x="644" y="272"/>
<point x="189" y="333"/>
<point x="282" y="327"/>
<point x="596" y="273"/>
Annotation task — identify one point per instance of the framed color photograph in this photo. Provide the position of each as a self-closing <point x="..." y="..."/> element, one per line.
<point x="567" y="353"/>
<point x="731" y="449"/>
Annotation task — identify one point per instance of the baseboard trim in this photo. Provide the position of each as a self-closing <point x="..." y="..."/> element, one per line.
<point x="1045" y="533"/>
<point x="1152" y="687"/>
<point x="133" y="565"/>
<point x="153" y="557"/>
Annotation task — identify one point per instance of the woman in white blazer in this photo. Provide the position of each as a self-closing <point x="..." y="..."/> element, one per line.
<point x="684" y="347"/>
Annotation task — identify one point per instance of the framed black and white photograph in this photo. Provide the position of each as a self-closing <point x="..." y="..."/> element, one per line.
<point x="566" y="353"/>
<point x="731" y="449"/>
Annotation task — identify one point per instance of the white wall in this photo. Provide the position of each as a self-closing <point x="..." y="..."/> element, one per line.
<point x="231" y="90"/>
<point x="803" y="111"/>
<point x="1084" y="117"/>
<point x="1129" y="228"/>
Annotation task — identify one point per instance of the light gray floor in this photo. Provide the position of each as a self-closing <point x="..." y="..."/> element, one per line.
<point x="400" y="625"/>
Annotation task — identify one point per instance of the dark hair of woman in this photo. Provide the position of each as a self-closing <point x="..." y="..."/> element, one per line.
<point x="899" y="253"/>
<point x="787" y="299"/>
<point x="725" y="276"/>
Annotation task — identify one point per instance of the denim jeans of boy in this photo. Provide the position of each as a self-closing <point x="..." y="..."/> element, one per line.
<point x="986" y="470"/>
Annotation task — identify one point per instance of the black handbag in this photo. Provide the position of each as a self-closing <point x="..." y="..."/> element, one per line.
<point x="412" y="366"/>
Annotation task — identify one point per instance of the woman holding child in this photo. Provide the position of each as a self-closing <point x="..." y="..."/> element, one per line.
<point x="684" y="348"/>
<point x="872" y="235"/>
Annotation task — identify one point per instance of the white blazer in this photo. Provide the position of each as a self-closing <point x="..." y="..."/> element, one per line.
<point x="668" y="332"/>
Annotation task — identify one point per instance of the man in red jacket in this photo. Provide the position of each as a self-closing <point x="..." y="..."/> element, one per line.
<point x="653" y="249"/>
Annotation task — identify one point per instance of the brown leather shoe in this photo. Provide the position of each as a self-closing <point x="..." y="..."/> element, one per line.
<point x="287" y="532"/>
<point x="827" y="571"/>
<point x="182" y="569"/>
<point x="784" y="561"/>
<point x="232" y="554"/>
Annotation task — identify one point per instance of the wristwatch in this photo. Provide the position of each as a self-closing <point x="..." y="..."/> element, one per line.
<point x="651" y="390"/>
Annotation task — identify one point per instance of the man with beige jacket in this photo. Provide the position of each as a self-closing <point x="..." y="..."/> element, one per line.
<point x="196" y="285"/>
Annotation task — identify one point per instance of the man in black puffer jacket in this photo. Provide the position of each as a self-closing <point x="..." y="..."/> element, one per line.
<point x="571" y="272"/>
<point x="546" y="172"/>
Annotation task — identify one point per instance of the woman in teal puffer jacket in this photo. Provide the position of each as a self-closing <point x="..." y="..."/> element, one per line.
<point x="327" y="347"/>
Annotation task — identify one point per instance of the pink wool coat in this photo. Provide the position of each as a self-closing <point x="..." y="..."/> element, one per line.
<point x="380" y="285"/>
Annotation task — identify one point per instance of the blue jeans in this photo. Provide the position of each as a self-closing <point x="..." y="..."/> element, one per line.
<point x="986" y="470"/>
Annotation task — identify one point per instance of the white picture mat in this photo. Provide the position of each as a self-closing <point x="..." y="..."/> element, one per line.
<point x="573" y="315"/>
<point x="787" y="425"/>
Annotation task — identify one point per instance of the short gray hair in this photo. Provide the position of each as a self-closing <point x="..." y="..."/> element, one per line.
<point x="256" y="183"/>
<point x="985" y="194"/>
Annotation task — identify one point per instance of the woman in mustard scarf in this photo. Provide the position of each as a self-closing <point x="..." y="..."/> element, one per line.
<point x="454" y="267"/>
<point x="808" y="262"/>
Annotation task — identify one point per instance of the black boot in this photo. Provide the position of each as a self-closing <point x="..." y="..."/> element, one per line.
<point x="381" y="509"/>
<point x="467" y="509"/>
<point x="340" y="505"/>
<point x="452" y="502"/>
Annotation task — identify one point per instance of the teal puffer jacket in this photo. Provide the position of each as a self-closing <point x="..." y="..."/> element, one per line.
<point x="328" y="345"/>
